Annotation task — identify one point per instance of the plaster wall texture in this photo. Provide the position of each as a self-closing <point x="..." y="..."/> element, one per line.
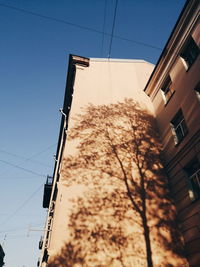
<point x="178" y="156"/>
<point x="107" y="82"/>
<point x="183" y="82"/>
<point x="102" y="83"/>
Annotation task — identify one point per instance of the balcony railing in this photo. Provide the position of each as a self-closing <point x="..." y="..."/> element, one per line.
<point x="47" y="192"/>
<point x="41" y="242"/>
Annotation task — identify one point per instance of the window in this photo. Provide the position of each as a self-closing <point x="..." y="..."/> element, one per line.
<point x="190" y="53"/>
<point x="179" y="127"/>
<point x="193" y="173"/>
<point x="167" y="89"/>
<point x="197" y="90"/>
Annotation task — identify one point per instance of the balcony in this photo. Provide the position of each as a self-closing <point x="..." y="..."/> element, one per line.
<point x="41" y="242"/>
<point x="47" y="191"/>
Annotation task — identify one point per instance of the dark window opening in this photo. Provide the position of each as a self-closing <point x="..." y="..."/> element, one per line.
<point x="179" y="127"/>
<point x="167" y="89"/>
<point x="190" y="52"/>
<point x="193" y="173"/>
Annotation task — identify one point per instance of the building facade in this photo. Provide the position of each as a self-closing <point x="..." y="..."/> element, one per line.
<point x="100" y="211"/>
<point x="174" y="89"/>
<point x="108" y="131"/>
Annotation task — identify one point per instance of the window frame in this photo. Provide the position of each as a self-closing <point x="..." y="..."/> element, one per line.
<point x="193" y="172"/>
<point x="197" y="90"/>
<point x="178" y="125"/>
<point x="196" y="176"/>
<point x="167" y="90"/>
<point x="189" y="53"/>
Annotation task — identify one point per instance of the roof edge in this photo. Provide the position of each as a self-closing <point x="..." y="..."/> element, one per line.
<point x="119" y="60"/>
<point x="186" y="7"/>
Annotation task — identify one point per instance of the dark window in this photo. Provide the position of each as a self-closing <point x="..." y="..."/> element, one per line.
<point x="179" y="127"/>
<point x="197" y="90"/>
<point x="167" y="89"/>
<point x="190" y="52"/>
<point x="193" y="173"/>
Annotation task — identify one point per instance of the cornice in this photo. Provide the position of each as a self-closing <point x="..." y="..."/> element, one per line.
<point x="184" y="26"/>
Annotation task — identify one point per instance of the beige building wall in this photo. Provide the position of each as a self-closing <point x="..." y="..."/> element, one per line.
<point x="103" y="82"/>
<point x="106" y="82"/>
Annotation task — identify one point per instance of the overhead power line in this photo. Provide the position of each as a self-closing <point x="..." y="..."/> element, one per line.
<point x="113" y="27"/>
<point x="13" y="230"/>
<point x="104" y="23"/>
<point x="78" y="26"/>
<point x="41" y="152"/>
<point x="21" y="168"/>
<point x="24" y="158"/>
<point x="30" y="158"/>
<point x="22" y="205"/>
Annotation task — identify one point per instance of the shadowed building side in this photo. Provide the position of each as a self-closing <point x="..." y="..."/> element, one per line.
<point x="109" y="189"/>
<point x="174" y="89"/>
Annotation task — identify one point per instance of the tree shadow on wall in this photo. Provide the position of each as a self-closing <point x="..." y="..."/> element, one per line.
<point x="125" y="217"/>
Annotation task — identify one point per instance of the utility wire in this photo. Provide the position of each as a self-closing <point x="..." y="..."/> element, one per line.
<point x="113" y="27"/>
<point x="78" y="26"/>
<point x="104" y="23"/>
<point x="24" y="158"/>
<point x="21" y="168"/>
<point x="137" y="42"/>
<point x="22" y="205"/>
<point x="27" y="159"/>
<point x="41" y="152"/>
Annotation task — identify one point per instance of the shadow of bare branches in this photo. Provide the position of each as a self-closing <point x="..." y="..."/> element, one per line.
<point x="125" y="217"/>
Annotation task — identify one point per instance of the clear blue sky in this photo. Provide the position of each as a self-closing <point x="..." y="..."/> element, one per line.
<point x="33" y="65"/>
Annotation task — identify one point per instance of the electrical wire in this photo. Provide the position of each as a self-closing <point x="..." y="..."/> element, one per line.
<point x="113" y="27"/>
<point x="24" y="158"/>
<point x="41" y="152"/>
<point x="21" y="168"/>
<point x="104" y="23"/>
<point x="138" y="42"/>
<point x="78" y="26"/>
<point x="30" y="158"/>
<point x="22" y="205"/>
